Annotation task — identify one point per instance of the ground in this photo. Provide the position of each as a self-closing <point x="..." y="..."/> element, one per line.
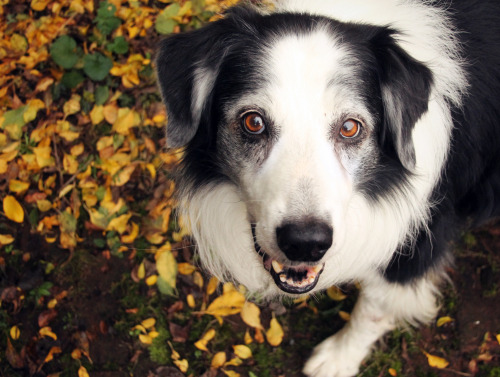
<point x="99" y="304"/>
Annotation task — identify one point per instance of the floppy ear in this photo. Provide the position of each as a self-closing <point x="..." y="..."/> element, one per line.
<point x="186" y="67"/>
<point x="405" y="84"/>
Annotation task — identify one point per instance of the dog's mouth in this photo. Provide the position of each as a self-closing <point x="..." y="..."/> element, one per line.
<point x="298" y="279"/>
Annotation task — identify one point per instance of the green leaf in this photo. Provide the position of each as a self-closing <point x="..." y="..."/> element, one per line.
<point x="164" y="22"/>
<point x="101" y="95"/>
<point x="64" y="51"/>
<point x="118" y="46"/>
<point x="164" y="287"/>
<point x="106" y="20"/>
<point x="96" y="66"/>
<point x="72" y="79"/>
<point x="13" y="122"/>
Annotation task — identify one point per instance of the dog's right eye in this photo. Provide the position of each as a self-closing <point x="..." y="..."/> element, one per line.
<point x="253" y="123"/>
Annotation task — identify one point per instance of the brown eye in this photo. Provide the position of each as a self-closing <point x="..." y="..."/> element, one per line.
<point x="253" y="123"/>
<point x="350" y="129"/>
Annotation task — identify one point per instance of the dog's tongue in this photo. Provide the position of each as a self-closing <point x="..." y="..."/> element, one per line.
<point x="294" y="279"/>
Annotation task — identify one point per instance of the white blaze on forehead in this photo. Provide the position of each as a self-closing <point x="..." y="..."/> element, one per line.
<point x="303" y="172"/>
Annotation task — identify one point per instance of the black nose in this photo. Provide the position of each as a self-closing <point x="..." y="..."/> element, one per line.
<point x="304" y="241"/>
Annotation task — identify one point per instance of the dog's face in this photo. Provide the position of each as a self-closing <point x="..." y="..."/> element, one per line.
<point x="294" y="126"/>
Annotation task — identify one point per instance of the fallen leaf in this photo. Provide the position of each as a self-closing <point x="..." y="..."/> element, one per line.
<point x="15" y="332"/>
<point x="231" y="373"/>
<point x="13" y="209"/>
<point x="6" y="239"/>
<point x="82" y="372"/>
<point x="242" y="351"/>
<point x="202" y="343"/>
<point x="183" y="365"/>
<point x="443" y="320"/>
<point x="18" y="186"/>
<point x="229" y="303"/>
<point x="275" y="333"/>
<point x="47" y="332"/>
<point x="250" y="313"/>
<point x="218" y="360"/>
<point x="14" y="359"/>
<point x="212" y="285"/>
<point x="335" y="294"/>
<point x="436" y="361"/>
<point x="167" y="267"/>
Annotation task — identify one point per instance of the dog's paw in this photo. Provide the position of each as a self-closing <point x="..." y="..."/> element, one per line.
<point x="334" y="358"/>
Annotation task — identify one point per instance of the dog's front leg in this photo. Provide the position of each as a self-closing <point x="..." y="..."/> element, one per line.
<point x="380" y="307"/>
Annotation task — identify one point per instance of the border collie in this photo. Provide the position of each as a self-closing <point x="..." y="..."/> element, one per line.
<point x="332" y="141"/>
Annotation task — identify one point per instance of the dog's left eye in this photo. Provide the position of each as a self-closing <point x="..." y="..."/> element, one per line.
<point x="350" y="129"/>
<point x="253" y="123"/>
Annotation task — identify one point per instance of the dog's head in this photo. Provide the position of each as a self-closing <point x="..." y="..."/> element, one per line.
<point x="293" y="125"/>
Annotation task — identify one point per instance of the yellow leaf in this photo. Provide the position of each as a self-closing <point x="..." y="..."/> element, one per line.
<point x="134" y="232"/>
<point x="40" y="5"/>
<point x="77" y="150"/>
<point x="18" y="186"/>
<point x="70" y="164"/>
<point x="126" y="119"/>
<point x="186" y="268"/>
<point x="119" y="223"/>
<point x="183" y="365"/>
<point x="104" y="142"/>
<point x="190" y="301"/>
<point x="14" y="332"/>
<point x="212" y="285"/>
<point x="43" y="156"/>
<point x="242" y="351"/>
<point x="72" y="106"/>
<point x="52" y="304"/>
<point x="110" y="113"/>
<point x="149" y="323"/>
<point x="13" y="209"/>
<point x="443" y="320"/>
<point x="498" y="338"/>
<point x="43" y="84"/>
<point x="436" y="361"/>
<point x="248" y="338"/>
<point x="229" y="303"/>
<point x="202" y="343"/>
<point x="335" y="294"/>
<point x="66" y="189"/>
<point x="47" y="331"/>
<point x="393" y="372"/>
<point x="97" y="114"/>
<point x="275" y="333"/>
<point x="43" y="205"/>
<point x="234" y="362"/>
<point x="218" y="360"/>
<point x="32" y="109"/>
<point x="141" y="271"/>
<point x="82" y="372"/>
<point x="151" y="280"/>
<point x="198" y="279"/>
<point x="167" y="267"/>
<point x="6" y="239"/>
<point x="250" y="313"/>
<point x="123" y="176"/>
<point x="145" y="339"/>
<point x="231" y="373"/>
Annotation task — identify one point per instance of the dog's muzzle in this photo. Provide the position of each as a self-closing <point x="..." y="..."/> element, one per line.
<point x="302" y="246"/>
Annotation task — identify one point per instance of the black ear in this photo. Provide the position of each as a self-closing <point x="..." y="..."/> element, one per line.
<point x="186" y="67"/>
<point x="405" y="84"/>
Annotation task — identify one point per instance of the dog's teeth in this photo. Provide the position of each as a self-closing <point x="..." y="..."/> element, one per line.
<point x="282" y="278"/>
<point x="277" y="266"/>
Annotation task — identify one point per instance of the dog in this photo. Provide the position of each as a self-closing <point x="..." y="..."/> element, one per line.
<point x="332" y="141"/>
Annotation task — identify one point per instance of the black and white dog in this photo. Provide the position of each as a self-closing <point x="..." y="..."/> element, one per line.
<point x="331" y="141"/>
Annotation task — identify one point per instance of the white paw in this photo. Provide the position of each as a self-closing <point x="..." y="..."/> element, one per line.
<point x="335" y="357"/>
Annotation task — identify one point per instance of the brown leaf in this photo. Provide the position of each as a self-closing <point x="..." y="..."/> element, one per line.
<point x="180" y="334"/>
<point x="13" y="357"/>
<point x="46" y="317"/>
